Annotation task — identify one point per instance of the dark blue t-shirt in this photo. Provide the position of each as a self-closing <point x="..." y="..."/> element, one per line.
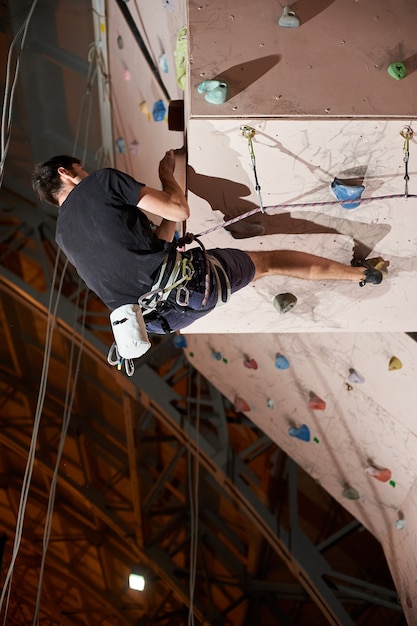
<point x="108" y="239"/>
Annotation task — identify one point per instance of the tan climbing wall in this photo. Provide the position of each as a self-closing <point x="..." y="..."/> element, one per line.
<point x="333" y="65"/>
<point x="365" y="424"/>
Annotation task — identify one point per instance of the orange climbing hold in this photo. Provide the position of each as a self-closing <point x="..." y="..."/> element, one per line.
<point x="383" y="475"/>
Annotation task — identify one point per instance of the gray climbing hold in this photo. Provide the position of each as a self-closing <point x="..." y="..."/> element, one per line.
<point x="289" y="19"/>
<point x="284" y="302"/>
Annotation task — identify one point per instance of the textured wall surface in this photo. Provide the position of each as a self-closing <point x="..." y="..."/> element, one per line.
<point x="343" y="412"/>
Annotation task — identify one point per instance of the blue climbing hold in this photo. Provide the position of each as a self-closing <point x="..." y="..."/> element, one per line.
<point x="179" y="341"/>
<point x="158" y="111"/>
<point x="350" y="195"/>
<point x="302" y="433"/>
<point x="281" y="362"/>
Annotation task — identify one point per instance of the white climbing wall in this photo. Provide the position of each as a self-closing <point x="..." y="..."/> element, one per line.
<point x="296" y="162"/>
<point x="362" y="421"/>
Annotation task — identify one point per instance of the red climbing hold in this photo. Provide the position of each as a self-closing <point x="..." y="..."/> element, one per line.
<point x="241" y="406"/>
<point x="315" y="403"/>
<point x="251" y="364"/>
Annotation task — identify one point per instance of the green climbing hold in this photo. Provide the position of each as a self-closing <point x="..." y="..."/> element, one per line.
<point x="397" y="71"/>
<point x="350" y="493"/>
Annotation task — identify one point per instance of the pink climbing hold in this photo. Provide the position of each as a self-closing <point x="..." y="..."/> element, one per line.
<point x="251" y="364"/>
<point x="315" y="403"/>
<point x="241" y="406"/>
<point x="381" y="474"/>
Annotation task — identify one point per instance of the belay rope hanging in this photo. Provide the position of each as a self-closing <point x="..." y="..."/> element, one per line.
<point x="131" y="339"/>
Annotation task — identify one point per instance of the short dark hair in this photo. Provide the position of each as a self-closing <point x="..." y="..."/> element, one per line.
<point x="46" y="181"/>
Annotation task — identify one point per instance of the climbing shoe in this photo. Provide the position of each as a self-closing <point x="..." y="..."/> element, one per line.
<point x="375" y="270"/>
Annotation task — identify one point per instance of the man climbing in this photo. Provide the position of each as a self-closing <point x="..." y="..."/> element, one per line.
<point x="105" y="234"/>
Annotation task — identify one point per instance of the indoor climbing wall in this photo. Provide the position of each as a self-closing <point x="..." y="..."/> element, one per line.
<point x="343" y="410"/>
<point x="329" y="91"/>
<point x="144" y="56"/>
<point x="296" y="163"/>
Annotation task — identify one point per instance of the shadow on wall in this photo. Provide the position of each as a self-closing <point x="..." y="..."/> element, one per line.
<point x="228" y="197"/>
<point x="306" y="9"/>
<point x="240" y="76"/>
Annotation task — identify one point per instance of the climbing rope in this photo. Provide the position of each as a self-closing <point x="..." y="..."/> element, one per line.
<point x="301" y="205"/>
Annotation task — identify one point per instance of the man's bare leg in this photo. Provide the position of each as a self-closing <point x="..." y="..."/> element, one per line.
<point x="303" y="265"/>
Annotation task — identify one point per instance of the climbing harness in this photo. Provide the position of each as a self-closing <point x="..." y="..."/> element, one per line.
<point x="248" y="132"/>
<point x="407" y="133"/>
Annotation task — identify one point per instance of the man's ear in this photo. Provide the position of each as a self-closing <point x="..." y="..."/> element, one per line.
<point x="65" y="174"/>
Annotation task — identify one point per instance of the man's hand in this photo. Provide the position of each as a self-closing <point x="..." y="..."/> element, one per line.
<point x="167" y="165"/>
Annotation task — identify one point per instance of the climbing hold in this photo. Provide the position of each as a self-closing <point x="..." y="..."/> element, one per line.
<point x="394" y="363"/>
<point x="383" y="475"/>
<point x="180" y="55"/>
<point x="134" y="146"/>
<point x="409" y="602"/>
<point x="350" y="193"/>
<point x="251" y="364"/>
<point x="216" y="91"/>
<point x="281" y="362"/>
<point x="216" y="355"/>
<point x="349" y="387"/>
<point x="350" y="493"/>
<point x="270" y="403"/>
<point x="180" y="341"/>
<point x="120" y="145"/>
<point x="143" y="108"/>
<point x="126" y="74"/>
<point x="315" y="403"/>
<point x="400" y="524"/>
<point x="355" y="377"/>
<point x="289" y="19"/>
<point x="303" y="433"/>
<point x="316" y="440"/>
<point x="284" y="302"/>
<point x="397" y="71"/>
<point x="241" y="406"/>
<point x="393" y="483"/>
<point x="158" y="111"/>
<point x="163" y="63"/>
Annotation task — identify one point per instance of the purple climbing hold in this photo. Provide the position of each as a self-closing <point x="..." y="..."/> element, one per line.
<point x="355" y="377"/>
<point x="302" y="433"/>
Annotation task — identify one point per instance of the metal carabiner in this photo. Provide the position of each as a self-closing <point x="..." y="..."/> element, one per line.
<point x="183" y="296"/>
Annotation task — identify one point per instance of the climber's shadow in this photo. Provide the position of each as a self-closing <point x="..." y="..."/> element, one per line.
<point x="229" y="198"/>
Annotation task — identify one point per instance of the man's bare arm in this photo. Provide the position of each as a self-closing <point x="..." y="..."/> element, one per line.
<point x="170" y="203"/>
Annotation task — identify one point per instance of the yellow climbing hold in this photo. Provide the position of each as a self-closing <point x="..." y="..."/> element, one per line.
<point x="143" y="108"/>
<point x="394" y="363"/>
